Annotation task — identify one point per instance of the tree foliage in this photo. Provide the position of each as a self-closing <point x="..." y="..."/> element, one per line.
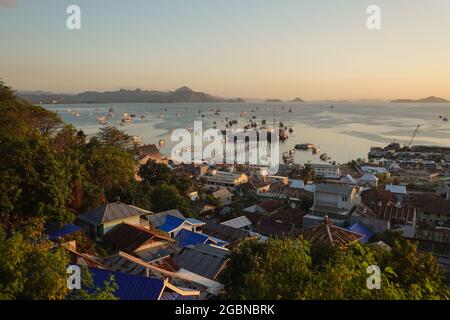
<point x="293" y="269"/>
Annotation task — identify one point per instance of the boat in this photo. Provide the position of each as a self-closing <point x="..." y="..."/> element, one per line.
<point x="111" y="110"/>
<point x="445" y="119"/>
<point x="162" y="142"/>
<point x="324" y="157"/>
<point x="126" y="118"/>
<point x="143" y="116"/>
<point x="304" y="146"/>
<point x="291" y="130"/>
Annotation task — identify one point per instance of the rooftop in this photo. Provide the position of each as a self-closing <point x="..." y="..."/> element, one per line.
<point x="111" y="212"/>
<point x="334" y="188"/>
<point x="127" y="237"/>
<point x="327" y="233"/>
<point x="202" y="259"/>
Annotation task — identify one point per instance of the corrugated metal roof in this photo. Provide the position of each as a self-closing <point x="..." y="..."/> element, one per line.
<point x="130" y="287"/>
<point x="361" y="229"/>
<point x="128" y="238"/>
<point x="238" y="223"/>
<point x="332" y="188"/>
<point x="396" y="189"/>
<point x="56" y="233"/>
<point x="202" y="259"/>
<point x="171" y="223"/>
<point x="186" y="237"/>
<point x="111" y="212"/>
<point x="158" y="219"/>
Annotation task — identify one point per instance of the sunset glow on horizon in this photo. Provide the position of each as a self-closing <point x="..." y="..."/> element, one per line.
<point x="249" y="49"/>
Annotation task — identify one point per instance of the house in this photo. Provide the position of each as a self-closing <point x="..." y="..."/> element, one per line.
<point x="225" y="179"/>
<point x="376" y="196"/>
<point x="100" y="220"/>
<point x="265" y="207"/>
<point x="386" y="217"/>
<point x="327" y="171"/>
<point x="132" y="239"/>
<point x="253" y="187"/>
<point x="435" y="240"/>
<point x="164" y="268"/>
<point x="292" y="193"/>
<point x="273" y="228"/>
<point x="203" y="259"/>
<point x="148" y="152"/>
<point x="173" y="225"/>
<point x="375" y="170"/>
<point x="135" y="287"/>
<point x="348" y="179"/>
<point x="233" y="236"/>
<point x="326" y="233"/>
<point x="223" y="195"/>
<point x="368" y="180"/>
<point x="434" y="211"/>
<point x="157" y="219"/>
<point x="398" y="191"/>
<point x="204" y="209"/>
<point x="239" y="223"/>
<point x="333" y="201"/>
<point x="186" y="237"/>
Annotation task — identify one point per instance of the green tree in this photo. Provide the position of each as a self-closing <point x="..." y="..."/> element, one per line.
<point x="154" y="173"/>
<point x="31" y="268"/>
<point x="33" y="182"/>
<point x="167" y="197"/>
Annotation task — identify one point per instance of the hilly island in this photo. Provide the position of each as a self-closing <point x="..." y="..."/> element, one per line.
<point x="431" y="99"/>
<point x="183" y="94"/>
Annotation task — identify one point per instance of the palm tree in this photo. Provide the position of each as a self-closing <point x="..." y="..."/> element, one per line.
<point x="307" y="173"/>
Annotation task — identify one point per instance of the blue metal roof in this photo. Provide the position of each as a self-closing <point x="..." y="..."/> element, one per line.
<point x="171" y="223"/>
<point x="130" y="287"/>
<point x="55" y="232"/>
<point x="361" y="229"/>
<point x="186" y="237"/>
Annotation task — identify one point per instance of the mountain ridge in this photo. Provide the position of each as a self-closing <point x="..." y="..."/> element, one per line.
<point x="182" y="94"/>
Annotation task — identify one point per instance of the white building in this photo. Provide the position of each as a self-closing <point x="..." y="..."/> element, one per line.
<point x="334" y="201"/>
<point x="328" y="171"/>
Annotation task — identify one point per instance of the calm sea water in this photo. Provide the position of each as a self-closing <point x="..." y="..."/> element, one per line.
<point x="344" y="132"/>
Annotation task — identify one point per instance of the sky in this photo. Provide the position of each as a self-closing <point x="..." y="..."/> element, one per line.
<point x="313" y="49"/>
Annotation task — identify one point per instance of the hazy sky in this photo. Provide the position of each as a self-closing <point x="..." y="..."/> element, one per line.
<point x="314" y="49"/>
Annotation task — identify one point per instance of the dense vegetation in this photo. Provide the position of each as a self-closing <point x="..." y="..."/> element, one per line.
<point x="293" y="269"/>
<point x="49" y="173"/>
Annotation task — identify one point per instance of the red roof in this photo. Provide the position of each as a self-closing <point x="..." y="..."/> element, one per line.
<point x="327" y="233"/>
<point x="127" y="237"/>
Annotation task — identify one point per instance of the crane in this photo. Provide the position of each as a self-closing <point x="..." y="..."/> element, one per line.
<point x="408" y="145"/>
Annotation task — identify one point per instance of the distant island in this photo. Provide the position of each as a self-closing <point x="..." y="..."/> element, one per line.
<point x="274" y="100"/>
<point x="183" y="94"/>
<point x="297" y="100"/>
<point x="431" y="99"/>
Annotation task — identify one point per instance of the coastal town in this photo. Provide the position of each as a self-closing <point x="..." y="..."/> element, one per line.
<point x="325" y="204"/>
<point x="224" y="159"/>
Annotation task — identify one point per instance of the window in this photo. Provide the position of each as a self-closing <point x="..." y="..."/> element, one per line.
<point x="344" y="198"/>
